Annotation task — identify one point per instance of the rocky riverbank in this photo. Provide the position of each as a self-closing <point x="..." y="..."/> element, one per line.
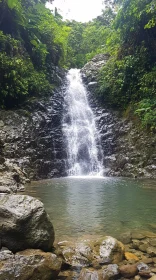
<point x="28" y="250"/>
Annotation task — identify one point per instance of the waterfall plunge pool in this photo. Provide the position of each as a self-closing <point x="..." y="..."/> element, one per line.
<point x="89" y="207"/>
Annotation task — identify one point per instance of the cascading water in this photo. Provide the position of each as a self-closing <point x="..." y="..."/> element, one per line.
<point x="83" y="148"/>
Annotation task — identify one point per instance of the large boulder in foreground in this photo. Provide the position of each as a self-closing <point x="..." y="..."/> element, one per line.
<point x="24" y="223"/>
<point x="29" y="264"/>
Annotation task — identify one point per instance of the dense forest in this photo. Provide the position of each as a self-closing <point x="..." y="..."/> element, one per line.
<point x="34" y="42"/>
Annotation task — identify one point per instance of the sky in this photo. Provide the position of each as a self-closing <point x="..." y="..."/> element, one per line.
<point x="79" y="10"/>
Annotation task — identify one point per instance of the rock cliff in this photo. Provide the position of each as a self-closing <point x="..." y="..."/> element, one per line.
<point x="128" y="149"/>
<point x="31" y="140"/>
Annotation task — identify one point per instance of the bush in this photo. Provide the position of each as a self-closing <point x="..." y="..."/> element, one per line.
<point x="19" y="79"/>
<point x="146" y="110"/>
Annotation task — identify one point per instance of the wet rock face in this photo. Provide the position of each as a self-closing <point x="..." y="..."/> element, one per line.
<point x="29" y="264"/>
<point x="91" y="69"/>
<point x="24" y="224"/>
<point x="32" y="138"/>
<point x="127" y="150"/>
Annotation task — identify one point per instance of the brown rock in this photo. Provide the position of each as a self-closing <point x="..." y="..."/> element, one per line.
<point x="149" y="234"/>
<point x="147" y="260"/>
<point x="152" y="242"/>
<point x="153" y="277"/>
<point x="151" y="251"/>
<point x="137" y="235"/>
<point x="135" y="243"/>
<point x="126" y="238"/>
<point x="145" y="273"/>
<point x="137" y="277"/>
<point x="128" y="271"/>
<point x="87" y="274"/>
<point x="144" y="247"/>
<point x="154" y="260"/>
<point x="131" y="256"/>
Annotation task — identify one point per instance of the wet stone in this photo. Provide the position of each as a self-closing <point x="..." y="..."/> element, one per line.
<point x="128" y="271"/>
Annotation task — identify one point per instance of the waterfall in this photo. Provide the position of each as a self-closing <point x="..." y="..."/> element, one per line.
<point x="79" y="128"/>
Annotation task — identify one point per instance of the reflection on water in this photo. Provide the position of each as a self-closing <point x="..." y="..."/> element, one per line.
<point x="86" y="206"/>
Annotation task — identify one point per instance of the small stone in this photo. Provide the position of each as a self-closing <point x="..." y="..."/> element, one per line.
<point x="152" y="242"/>
<point x="153" y="277"/>
<point x="149" y="234"/>
<point x="147" y="260"/>
<point x="1" y="123"/>
<point x="87" y="274"/>
<point x="96" y="264"/>
<point x="137" y="277"/>
<point x="142" y="266"/>
<point x="151" y="251"/>
<point x="135" y="243"/>
<point x="137" y="235"/>
<point x="154" y="260"/>
<point x="145" y="273"/>
<point x="5" y="254"/>
<point x="153" y="269"/>
<point x="128" y="271"/>
<point x="125" y="238"/>
<point x="111" y="271"/>
<point x="144" y="247"/>
<point x="131" y="256"/>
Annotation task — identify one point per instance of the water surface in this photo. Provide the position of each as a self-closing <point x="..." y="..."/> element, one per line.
<point x="97" y="206"/>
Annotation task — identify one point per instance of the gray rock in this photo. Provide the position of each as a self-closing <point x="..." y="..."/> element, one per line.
<point x="86" y="253"/>
<point x="142" y="266"/>
<point x="24" y="223"/>
<point x="30" y="264"/>
<point x="110" y="272"/>
<point x="91" y="69"/>
<point x="5" y="254"/>
<point x="111" y="250"/>
<point x="5" y="190"/>
<point x="89" y="274"/>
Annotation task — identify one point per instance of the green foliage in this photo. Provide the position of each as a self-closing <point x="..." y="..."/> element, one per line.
<point x="32" y="43"/>
<point x="146" y="110"/>
<point x="88" y="39"/>
<point x="18" y="79"/>
<point x="129" y="76"/>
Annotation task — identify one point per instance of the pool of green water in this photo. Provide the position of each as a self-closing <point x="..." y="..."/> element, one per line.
<point x="97" y="206"/>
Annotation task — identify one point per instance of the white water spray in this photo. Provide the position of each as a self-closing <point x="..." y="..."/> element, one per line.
<point x="83" y="148"/>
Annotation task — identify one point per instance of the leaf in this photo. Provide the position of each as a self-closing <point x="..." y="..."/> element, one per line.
<point x="34" y="43"/>
<point x="12" y="3"/>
